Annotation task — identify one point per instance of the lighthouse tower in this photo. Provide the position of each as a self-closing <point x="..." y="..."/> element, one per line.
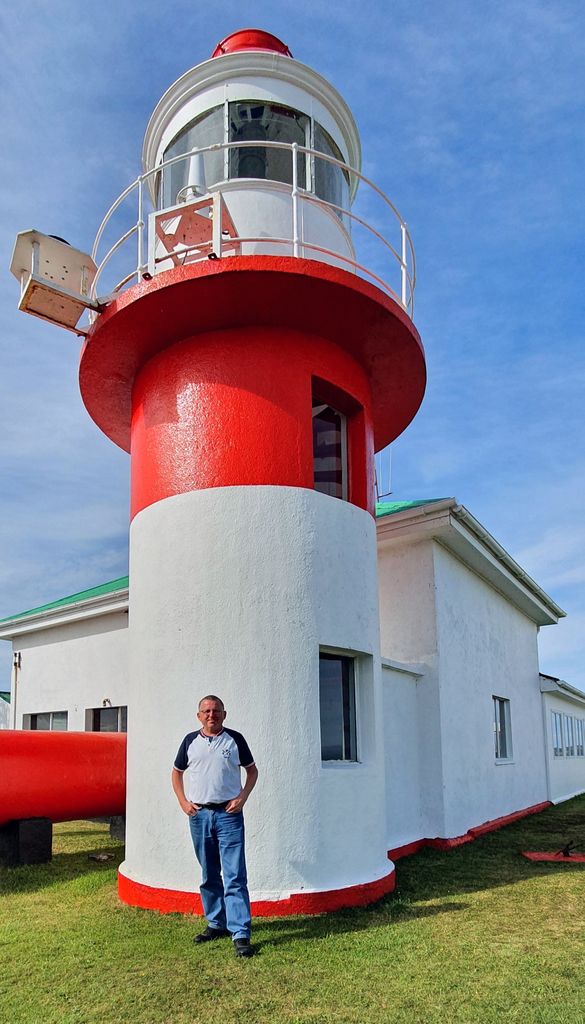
<point x="251" y="370"/>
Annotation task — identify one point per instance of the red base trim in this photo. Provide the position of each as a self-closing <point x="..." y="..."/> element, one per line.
<point x="479" y="830"/>
<point x="171" y="901"/>
<point x="407" y="850"/>
<point x="574" y="858"/>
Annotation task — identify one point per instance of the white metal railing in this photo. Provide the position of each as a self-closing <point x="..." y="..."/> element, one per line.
<point x="398" y="257"/>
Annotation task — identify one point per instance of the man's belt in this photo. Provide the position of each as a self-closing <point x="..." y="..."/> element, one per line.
<point x="214" y="807"/>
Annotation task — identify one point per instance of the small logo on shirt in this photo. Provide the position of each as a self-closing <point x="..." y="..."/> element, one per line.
<point x="225" y="752"/>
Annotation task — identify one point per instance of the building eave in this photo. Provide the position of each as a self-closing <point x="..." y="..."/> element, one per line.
<point x="88" y="608"/>
<point x="454" y="528"/>
<point x="550" y="684"/>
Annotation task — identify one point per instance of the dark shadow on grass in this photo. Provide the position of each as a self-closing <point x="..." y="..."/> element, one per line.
<point x="495" y="859"/>
<point x="425" y="881"/>
<point x="284" y="930"/>
<point x="62" y="868"/>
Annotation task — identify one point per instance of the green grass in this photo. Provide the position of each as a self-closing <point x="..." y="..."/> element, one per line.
<point x="475" y="935"/>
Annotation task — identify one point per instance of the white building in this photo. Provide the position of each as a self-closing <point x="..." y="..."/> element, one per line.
<point x="473" y="732"/>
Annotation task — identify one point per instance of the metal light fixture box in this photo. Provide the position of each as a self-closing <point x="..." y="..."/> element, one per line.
<point x="55" y="279"/>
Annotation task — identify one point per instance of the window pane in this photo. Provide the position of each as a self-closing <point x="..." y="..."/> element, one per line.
<point x="569" y="749"/>
<point x="42" y="721"/>
<point x="331" y="182"/>
<point x="108" y="720"/>
<point x="502" y="734"/>
<point x="205" y="130"/>
<point x="557" y="735"/>
<point x="328" y="450"/>
<point x="123" y="719"/>
<point x="254" y="121"/>
<point x="59" y="723"/>
<point x="337" y="708"/>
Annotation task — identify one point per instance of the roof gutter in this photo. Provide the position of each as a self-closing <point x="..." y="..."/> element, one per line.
<point x="463" y="516"/>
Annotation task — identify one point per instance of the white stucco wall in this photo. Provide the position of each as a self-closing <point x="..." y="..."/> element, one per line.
<point x="72" y="667"/>
<point x="566" y="774"/>
<point x="486" y="648"/>
<point x="408" y="633"/>
<point x="403" y="745"/>
<point x="233" y="591"/>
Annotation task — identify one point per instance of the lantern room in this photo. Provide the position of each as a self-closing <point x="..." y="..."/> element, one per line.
<point x="262" y="129"/>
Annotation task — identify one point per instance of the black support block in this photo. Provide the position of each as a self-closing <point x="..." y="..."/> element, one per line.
<point x="27" y="841"/>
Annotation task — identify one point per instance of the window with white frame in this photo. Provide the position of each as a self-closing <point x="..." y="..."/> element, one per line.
<point x="56" y="721"/>
<point x="502" y="729"/>
<point x="337" y="707"/>
<point x="569" y="736"/>
<point x="557" y="734"/>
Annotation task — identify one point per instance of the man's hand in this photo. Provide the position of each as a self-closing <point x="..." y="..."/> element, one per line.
<point x="177" y="781"/>
<point x="188" y="807"/>
<point x="236" y="804"/>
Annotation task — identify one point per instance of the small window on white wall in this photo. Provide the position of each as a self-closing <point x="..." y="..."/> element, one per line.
<point x="337" y="707"/>
<point x="557" y="734"/>
<point x="56" y="721"/>
<point x="502" y="729"/>
<point x="106" y="719"/>
<point x="569" y="740"/>
<point x="579" y="737"/>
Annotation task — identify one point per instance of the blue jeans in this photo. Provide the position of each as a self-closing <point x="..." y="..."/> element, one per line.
<point x="218" y="839"/>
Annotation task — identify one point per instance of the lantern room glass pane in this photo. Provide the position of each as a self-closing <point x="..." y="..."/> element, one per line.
<point x="207" y="170"/>
<point x="255" y="121"/>
<point x="331" y="181"/>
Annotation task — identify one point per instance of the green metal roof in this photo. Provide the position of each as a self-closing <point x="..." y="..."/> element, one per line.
<point x="5" y="695"/>
<point x="389" y="508"/>
<point x="83" y="595"/>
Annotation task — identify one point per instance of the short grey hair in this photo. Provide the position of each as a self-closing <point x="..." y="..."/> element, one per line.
<point x="211" y="696"/>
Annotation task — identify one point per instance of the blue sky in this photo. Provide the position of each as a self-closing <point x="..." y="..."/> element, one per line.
<point x="472" y="121"/>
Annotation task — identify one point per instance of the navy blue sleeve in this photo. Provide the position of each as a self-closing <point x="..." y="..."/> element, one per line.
<point x="181" y="760"/>
<point x="244" y="752"/>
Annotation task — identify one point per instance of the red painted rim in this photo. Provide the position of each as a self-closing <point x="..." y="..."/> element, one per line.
<point x="286" y="292"/>
<point x="474" y="833"/>
<point x="172" y="901"/>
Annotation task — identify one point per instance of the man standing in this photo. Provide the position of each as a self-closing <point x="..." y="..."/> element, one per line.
<point x="211" y="794"/>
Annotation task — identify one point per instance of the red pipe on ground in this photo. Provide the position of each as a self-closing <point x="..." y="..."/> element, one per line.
<point x="61" y="775"/>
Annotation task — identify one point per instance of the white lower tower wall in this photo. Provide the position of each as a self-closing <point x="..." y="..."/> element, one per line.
<point x="233" y="592"/>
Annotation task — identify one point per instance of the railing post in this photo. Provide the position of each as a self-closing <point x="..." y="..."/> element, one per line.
<point x="295" y="200"/>
<point x="216" y="214"/>
<point x="403" y="276"/>
<point x="140" y="230"/>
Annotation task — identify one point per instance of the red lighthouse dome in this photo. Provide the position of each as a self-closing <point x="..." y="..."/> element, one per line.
<point x="251" y="39"/>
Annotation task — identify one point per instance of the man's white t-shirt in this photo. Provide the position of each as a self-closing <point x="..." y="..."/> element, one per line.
<point x="211" y="765"/>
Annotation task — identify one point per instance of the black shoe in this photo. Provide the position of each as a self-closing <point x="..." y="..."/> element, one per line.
<point x="242" y="947"/>
<point x="210" y="934"/>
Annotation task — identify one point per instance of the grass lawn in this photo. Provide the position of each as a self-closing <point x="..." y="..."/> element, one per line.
<point x="475" y="935"/>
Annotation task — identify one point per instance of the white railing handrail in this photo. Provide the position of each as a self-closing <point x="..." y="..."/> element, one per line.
<point x="405" y="259"/>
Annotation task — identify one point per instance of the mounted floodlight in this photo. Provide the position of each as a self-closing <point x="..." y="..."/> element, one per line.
<point x="55" y="279"/>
